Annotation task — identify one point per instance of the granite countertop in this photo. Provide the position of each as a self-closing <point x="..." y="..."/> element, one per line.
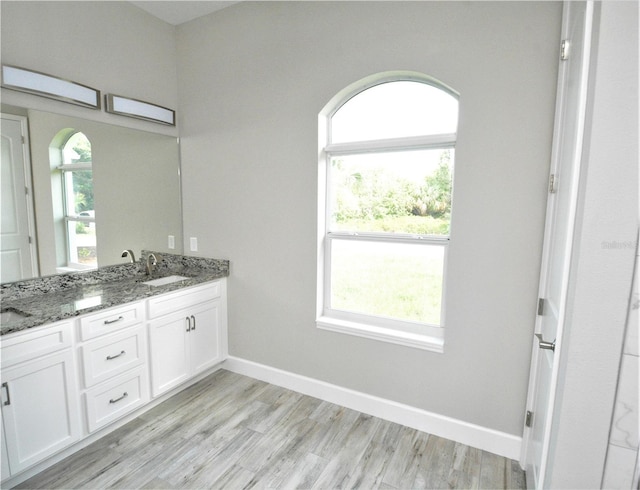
<point x="45" y="300"/>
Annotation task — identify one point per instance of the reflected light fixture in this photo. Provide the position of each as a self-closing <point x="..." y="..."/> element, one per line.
<point x="116" y="104"/>
<point x="37" y="83"/>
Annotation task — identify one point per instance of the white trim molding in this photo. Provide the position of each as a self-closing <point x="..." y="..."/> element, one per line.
<point x="433" y="341"/>
<point x="500" y="443"/>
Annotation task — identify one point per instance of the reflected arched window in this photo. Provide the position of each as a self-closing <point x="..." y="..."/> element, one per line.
<point x="386" y="170"/>
<point x="78" y="206"/>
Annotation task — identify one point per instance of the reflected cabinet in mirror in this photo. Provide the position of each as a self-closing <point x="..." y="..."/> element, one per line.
<point x="96" y="190"/>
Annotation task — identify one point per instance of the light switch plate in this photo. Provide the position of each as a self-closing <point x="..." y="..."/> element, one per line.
<point x="172" y="242"/>
<point x="194" y="244"/>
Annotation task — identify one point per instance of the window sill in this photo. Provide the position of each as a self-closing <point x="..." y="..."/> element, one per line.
<point x="428" y="342"/>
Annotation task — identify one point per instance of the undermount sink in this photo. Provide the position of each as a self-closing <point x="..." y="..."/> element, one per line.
<point x="163" y="281"/>
<point x="8" y="316"/>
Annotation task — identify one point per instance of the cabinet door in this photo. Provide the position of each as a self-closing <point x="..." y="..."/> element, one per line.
<point x="169" y="351"/>
<point x="204" y="337"/>
<point x="6" y="473"/>
<point x="40" y="409"/>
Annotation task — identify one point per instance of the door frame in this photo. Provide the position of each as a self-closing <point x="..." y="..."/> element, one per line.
<point x="26" y="168"/>
<point x="562" y="329"/>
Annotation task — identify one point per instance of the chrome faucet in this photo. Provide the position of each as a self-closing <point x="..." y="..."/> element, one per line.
<point x="129" y="253"/>
<point x="151" y="264"/>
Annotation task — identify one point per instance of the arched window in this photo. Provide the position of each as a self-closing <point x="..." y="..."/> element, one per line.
<point x="77" y="201"/>
<point x="386" y="177"/>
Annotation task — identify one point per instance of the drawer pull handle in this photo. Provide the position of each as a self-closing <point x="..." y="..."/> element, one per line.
<point x="119" y="319"/>
<point x="6" y="387"/>
<point x="194" y="322"/>
<point x="124" y="395"/>
<point x="122" y="353"/>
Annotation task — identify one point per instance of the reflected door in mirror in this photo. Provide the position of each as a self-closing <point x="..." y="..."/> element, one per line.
<point x="17" y="248"/>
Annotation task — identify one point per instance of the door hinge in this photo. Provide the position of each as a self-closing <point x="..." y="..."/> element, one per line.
<point x="528" y="418"/>
<point x="552" y="183"/>
<point x="540" y="306"/>
<point x="564" y="49"/>
<point x="30" y="240"/>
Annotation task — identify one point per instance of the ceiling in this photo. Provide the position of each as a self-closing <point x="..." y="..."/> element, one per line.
<point x="179" y="11"/>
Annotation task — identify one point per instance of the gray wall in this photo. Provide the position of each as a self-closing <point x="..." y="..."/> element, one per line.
<point x="253" y="78"/>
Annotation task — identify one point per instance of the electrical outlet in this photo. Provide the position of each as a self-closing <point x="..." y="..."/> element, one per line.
<point x="172" y="242"/>
<point x="194" y="244"/>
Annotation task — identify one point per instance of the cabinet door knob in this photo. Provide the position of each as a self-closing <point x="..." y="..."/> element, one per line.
<point x="6" y="387"/>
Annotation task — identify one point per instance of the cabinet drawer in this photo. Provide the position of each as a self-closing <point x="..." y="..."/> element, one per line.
<point x="108" y="321"/>
<point x="36" y="342"/>
<point x="108" y="356"/>
<point x="169" y="303"/>
<point x="113" y="399"/>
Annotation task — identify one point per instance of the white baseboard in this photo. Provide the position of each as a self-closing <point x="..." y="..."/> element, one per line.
<point x="494" y="441"/>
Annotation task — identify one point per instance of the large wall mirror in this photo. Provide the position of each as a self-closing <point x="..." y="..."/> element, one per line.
<point x="122" y="192"/>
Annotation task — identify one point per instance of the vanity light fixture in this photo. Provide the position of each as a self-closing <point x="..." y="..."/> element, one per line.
<point x="37" y="83"/>
<point x="139" y="109"/>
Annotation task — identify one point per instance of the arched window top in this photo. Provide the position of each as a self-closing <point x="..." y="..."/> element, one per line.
<point x="395" y="109"/>
<point x="76" y="149"/>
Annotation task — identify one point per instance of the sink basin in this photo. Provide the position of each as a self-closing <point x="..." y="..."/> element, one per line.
<point x="163" y="281"/>
<point x="8" y="316"/>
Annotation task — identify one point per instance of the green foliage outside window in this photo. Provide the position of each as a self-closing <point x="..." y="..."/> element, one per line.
<point x="379" y="200"/>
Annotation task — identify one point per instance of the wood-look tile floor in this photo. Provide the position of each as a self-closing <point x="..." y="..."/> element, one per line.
<point x="234" y="432"/>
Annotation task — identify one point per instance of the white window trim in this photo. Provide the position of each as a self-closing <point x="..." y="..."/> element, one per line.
<point x="432" y="141"/>
<point x="70" y="217"/>
<point x="432" y="341"/>
<point x="409" y="334"/>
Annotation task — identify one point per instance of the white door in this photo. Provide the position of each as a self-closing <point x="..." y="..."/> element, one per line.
<point x="17" y="254"/>
<point x="558" y="240"/>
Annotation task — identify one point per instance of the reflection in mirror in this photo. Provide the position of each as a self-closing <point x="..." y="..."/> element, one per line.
<point x="78" y="228"/>
<point x="134" y="201"/>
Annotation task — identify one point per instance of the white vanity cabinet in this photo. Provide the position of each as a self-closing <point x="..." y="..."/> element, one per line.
<point x="114" y="363"/>
<point x="187" y="332"/>
<point x="67" y="382"/>
<point x="5" y="471"/>
<point x="40" y="412"/>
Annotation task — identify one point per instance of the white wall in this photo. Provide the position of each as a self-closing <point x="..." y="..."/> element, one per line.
<point x="602" y="265"/>
<point x="253" y="78"/>
<point x="111" y="46"/>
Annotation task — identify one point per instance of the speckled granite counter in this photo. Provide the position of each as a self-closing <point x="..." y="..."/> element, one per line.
<point x="53" y="298"/>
